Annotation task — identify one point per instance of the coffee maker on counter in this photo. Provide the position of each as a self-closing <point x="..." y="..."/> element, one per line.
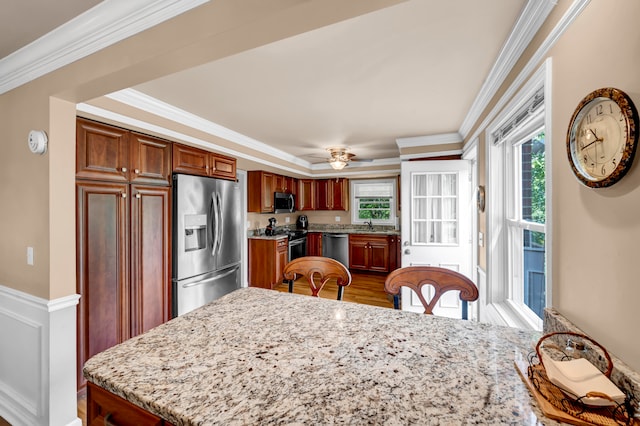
<point x="302" y="222"/>
<point x="271" y="227"/>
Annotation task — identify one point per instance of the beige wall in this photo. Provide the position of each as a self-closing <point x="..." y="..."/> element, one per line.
<point x="24" y="190"/>
<point x="595" y="231"/>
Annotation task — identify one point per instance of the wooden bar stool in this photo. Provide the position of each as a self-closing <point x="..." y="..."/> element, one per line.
<point x="317" y="270"/>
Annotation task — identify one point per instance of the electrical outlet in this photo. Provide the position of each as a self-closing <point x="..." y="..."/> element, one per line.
<point x="30" y="256"/>
<point x="337" y="218"/>
<point x="480" y="239"/>
<point x="287" y="219"/>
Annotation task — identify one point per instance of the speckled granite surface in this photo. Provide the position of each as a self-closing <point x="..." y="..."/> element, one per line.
<point x="263" y="357"/>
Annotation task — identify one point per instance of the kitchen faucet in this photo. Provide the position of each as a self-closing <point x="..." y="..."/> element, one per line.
<point x="369" y="224"/>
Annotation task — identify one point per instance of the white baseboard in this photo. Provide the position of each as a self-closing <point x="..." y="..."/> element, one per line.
<point x="38" y="359"/>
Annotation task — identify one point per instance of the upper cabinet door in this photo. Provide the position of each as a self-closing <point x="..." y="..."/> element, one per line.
<point x="190" y="160"/>
<point x="339" y="190"/>
<point x="102" y="151"/>
<point x="306" y="197"/>
<point x="323" y="196"/>
<point x="222" y="167"/>
<point x="150" y="160"/>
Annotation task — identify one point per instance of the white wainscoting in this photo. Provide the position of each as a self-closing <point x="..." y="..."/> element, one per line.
<point x="37" y="359"/>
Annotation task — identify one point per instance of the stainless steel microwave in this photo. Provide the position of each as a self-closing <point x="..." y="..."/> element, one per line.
<point x="284" y="202"/>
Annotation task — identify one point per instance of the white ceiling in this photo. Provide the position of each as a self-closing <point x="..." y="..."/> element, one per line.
<point x="24" y="21"/>
<point x="414" y="69"/>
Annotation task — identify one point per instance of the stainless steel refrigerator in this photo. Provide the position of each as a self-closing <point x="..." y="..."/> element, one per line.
<point x="206" y="240"/>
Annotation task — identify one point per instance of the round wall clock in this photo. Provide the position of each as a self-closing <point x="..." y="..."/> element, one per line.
<point x="602" y="137"/>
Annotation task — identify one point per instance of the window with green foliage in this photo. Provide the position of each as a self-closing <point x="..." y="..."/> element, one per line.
<point x="518" y="184"/>
<point x="526" y="223"/>
<point x="373" y="200"/>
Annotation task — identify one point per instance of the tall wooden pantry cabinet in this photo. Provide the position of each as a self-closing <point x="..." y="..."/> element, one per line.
<point x="123" y="208"/>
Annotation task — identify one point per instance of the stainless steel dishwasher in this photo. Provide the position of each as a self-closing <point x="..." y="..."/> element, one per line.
<point x="336" y="246"/>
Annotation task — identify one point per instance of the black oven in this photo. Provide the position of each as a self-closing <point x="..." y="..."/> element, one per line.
<point x="297" y="247"/>
<point x="297" y="244"/>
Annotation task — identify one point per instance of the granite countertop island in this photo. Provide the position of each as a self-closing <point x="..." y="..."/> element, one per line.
<point x="264" y="357"/>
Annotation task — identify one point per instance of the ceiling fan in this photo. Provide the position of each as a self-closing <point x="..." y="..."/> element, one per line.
<point x="340" y="157"/>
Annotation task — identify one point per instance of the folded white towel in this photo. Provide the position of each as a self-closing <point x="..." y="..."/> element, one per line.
<point x="578" y="377"/>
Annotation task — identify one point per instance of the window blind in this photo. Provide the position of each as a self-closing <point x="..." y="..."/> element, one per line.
<point x="530" y="108"/>
<point x="369" y="190"/>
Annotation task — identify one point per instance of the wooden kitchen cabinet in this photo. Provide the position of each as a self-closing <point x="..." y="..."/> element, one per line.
<point x="102" y="151"/>
<point x="222" y="167"/>
<point x="123" y="263"/>
<point x="260" y="189"/>
<point x="195" y="161"/>
<point x="267" y="259"/>
<point x="123" y="251"/>
<point x="328" y="194"/>
<point x="150" y="160"/>
<point x="306" y="197"/>
<point x="102" y="278"/>
<point x="369" y="252"/>
<point x="187" y="159"/>
<point x="394" y="252"/>
<point x="105" y="152"/>
<point x="314" y="244"/>
<point x="105" y="408"/>
<point x="150" y="264"/>
<point x="284" y="184"/>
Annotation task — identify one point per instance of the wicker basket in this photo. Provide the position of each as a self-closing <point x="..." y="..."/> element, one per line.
<point x="616" y="414"/>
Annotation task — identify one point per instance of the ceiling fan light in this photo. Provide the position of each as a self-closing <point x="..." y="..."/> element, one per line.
<point x="337" y="163"/>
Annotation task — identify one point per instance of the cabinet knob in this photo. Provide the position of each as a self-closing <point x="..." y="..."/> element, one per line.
<point x="407" y="251"/>
<point x="124" y="195"/>
<point x="138" y="195"/>
<point x="136" y="171"/>
<point x="124" y="170"/>
<point x="406" y="243"/>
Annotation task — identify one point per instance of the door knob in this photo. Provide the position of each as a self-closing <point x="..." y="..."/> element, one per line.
<point x="406" y="243"/>
<point x="407" y="251"/>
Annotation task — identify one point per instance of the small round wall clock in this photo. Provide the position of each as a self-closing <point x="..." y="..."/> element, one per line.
<point x="602" y="137"/>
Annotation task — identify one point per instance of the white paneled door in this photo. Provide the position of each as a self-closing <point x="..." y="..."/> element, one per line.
<point x="436" y="225"/>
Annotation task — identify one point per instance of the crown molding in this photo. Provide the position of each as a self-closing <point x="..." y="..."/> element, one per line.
<point x="431" y="140"/>
<point x="162" y="109"/>
<point x="405" y="157"/>
<point x="101" y="26"/>
<point x="531" y="19"/>
<point x="567" y="19"/>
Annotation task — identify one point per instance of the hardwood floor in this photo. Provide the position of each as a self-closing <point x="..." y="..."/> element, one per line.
<point x="365" y="288"/>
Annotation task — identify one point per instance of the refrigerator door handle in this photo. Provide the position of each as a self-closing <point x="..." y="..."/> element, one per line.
<point x="217" y="277"/>
<point x="219" y="223"/>
<point x="211" y="225"/>
<point x="215" y="223"/>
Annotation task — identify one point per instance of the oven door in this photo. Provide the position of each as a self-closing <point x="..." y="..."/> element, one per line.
<point x="297" y="248"/>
